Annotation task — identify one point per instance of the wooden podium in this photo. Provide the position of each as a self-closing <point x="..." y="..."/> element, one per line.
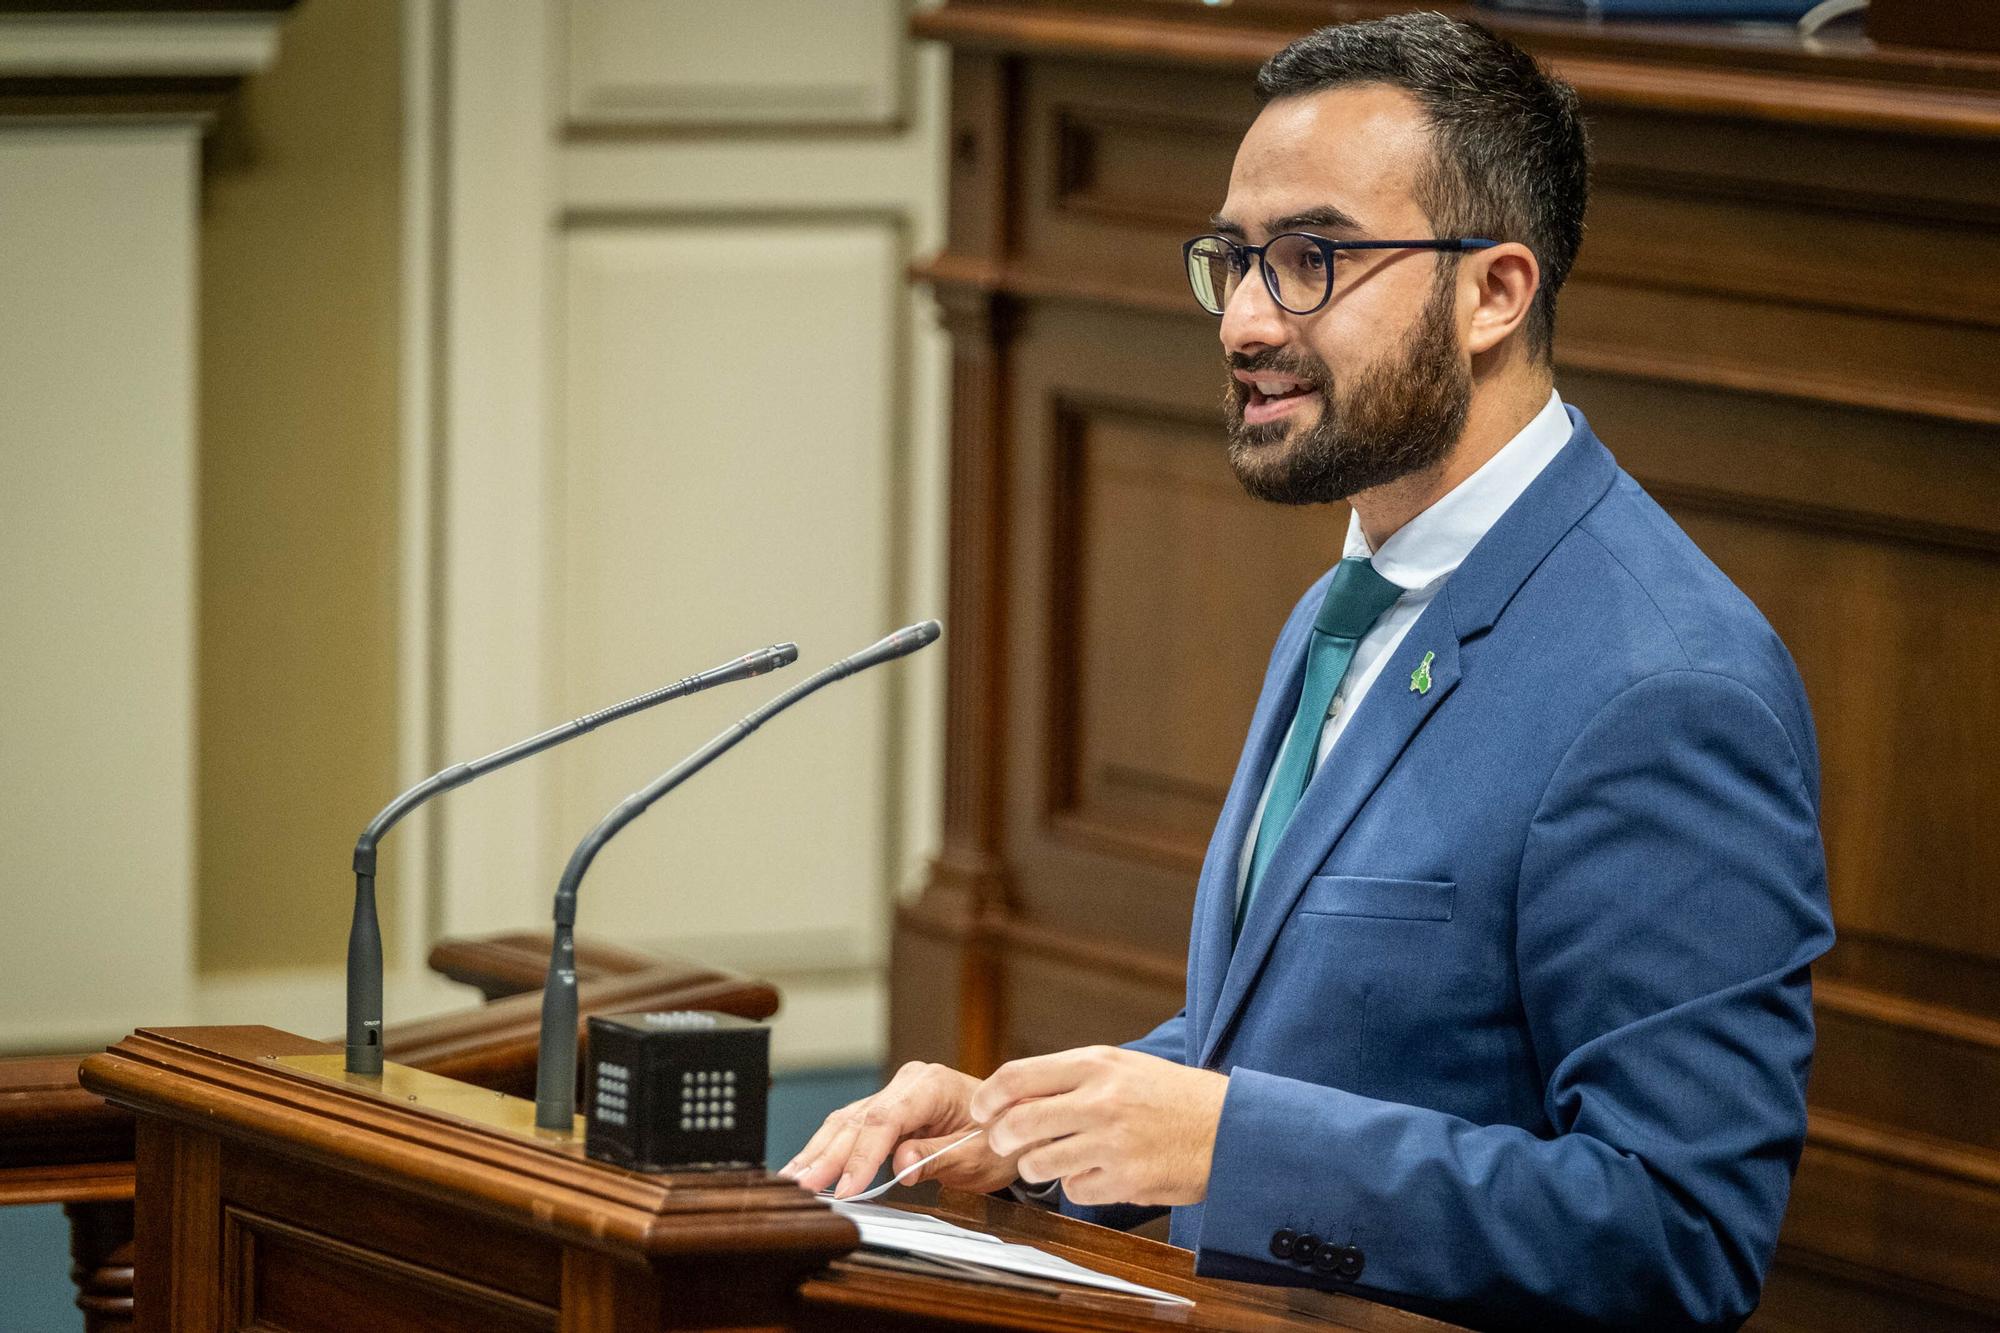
<point x="276" y="1192"/>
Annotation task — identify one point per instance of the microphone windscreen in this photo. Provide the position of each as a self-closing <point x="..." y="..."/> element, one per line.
<point x="900" y="644"/>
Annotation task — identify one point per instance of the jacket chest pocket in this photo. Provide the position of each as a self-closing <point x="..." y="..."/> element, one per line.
<point x="1385" y="899"/>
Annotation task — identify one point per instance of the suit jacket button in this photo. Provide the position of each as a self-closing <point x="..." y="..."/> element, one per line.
<point x="1281" y="1242"/>
<point x="1352" y="1261"/>
<point x="1305" y="1249"/>
<point x="1327" y="1259"/>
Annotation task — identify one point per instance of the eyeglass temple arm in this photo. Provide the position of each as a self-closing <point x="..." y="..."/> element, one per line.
<point x="1448" y="243"/>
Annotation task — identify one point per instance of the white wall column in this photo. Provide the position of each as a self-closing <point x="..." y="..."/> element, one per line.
<point x="98" y="208"/>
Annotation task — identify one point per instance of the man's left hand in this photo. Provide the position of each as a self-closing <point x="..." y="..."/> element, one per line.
<point x="1113" y="1125"/>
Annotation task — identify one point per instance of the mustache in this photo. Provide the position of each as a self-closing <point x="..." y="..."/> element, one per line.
<point x="1307" y="368"/>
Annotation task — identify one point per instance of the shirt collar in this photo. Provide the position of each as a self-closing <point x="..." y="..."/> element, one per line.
<point x="1434" y="543"/>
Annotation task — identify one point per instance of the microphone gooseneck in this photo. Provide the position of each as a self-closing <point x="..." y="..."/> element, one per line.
<point x="364" y="936"/>
<point x="555" y="1073"/>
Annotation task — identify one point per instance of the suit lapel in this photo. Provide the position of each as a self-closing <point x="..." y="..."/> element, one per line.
<point x="1215" y="896"/>
<point x="1388" y="717"/>
<point x="1470" y="603"/>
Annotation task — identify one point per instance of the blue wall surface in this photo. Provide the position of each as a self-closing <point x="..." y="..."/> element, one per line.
<point x="36" y="1295"/>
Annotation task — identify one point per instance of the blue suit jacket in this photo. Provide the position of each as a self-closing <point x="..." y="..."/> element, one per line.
<point x="1521" y="1011"/>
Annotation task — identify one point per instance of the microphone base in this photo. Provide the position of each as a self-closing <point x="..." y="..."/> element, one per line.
<point x="419" y="1091"/>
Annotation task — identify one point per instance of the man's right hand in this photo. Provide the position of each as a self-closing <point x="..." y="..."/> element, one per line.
<point x="924" y="1108"/>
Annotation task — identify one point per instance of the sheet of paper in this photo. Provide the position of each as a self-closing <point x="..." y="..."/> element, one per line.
<point x="914" y="1233"/>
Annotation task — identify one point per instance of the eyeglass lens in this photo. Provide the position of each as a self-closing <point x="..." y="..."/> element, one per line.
<point x="1295" y="269"/>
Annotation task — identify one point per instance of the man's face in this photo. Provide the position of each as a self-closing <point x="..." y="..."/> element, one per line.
<point x="1373" y="386"/>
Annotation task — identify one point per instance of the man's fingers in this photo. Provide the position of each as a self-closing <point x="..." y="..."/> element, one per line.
<point x="911" y="1151"/>
<point x="824" y="1167"/>
<point x="1037" y="1076"/>
<point x="817" y="1144"/>
<point x="1035" y="1120"/>
<point x="917" y="1101"/>
<point x="967" y="1166"/>
<point x="1060" y="1159"/>
<point x="1089" y="1187"/>
<point x="913" y="1094"/>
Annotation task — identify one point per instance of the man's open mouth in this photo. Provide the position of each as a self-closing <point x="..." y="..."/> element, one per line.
<point x="1271" y="396"/>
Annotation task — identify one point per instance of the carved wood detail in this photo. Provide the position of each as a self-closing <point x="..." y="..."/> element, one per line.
<point x="100" y="1240"/>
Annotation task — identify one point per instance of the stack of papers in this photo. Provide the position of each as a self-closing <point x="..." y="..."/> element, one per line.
<point x="886" y="1228"/>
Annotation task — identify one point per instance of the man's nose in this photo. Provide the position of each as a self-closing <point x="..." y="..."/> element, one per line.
<point x="1251" y="319"/>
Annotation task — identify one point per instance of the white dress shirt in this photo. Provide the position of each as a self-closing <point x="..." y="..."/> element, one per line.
<point x="1418" y="558"/>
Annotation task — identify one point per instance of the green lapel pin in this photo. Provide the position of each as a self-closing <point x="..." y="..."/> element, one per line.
<point x="1420" y="679"/>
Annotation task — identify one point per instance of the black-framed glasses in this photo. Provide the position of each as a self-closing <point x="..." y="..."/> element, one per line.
<point x="1298" y="266"/>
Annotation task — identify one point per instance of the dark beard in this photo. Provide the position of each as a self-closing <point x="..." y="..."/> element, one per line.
<point x="1399" y="417"/>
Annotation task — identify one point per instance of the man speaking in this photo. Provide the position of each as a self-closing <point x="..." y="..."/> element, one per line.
<point x="1498" y="1003"/>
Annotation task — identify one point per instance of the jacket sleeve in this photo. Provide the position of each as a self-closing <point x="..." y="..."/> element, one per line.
<point x="1672" y="893"/>
<point x="1169" y="1042"/>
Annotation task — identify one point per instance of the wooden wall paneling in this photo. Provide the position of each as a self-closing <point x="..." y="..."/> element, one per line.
<point x="981" y="140"/>
<point x="948" y="1005"/>
<point x="1119" y="165"/>
<point x="1147" y="588"/>
<point x="1783" y="322"/>
<point x="1880" y="1202"/>
<point x="967" y="888"/>
<point x="1876" y="563"/>
<point x="1060" y="996"/>
<point x="1808" y="1293"/>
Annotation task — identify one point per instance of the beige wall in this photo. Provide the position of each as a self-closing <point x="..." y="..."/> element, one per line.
<point x="703" y="414"/>
<point x="543" y="355"/>
<point x="299" y="334"/>
<point x="97" y="542"/>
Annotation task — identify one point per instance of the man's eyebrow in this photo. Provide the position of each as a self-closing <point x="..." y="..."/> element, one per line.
<point x="1326" y="217"/>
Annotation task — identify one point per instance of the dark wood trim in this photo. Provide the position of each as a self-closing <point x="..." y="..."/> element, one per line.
<point x="515" y="961"/>
<point x="1823" y="518"/>
<point x="1025" y="282"/>
<point x="47" y="1120"/>
<point x="1898" y="1011"/>
<point x="1754" y="75"/>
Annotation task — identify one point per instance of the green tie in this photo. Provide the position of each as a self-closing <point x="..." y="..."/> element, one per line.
<point x="1355" y="597"/>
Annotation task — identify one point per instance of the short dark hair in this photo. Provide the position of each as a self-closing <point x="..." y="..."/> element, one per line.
<point x="1511" y="160"/>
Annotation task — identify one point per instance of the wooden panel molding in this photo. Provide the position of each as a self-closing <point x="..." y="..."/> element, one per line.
<point x="675" y="67"/>
<point x="288" y="1278"/>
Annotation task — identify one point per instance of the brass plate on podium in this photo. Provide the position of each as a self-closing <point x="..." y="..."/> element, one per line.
<point x="434" y="1092"/>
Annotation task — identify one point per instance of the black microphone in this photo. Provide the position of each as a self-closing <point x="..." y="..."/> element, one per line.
<point x="555" y="1073"/>
<point x="364" y="937"/>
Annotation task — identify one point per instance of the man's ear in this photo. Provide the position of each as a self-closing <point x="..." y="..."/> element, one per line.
<point x="1504" y="280"/>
